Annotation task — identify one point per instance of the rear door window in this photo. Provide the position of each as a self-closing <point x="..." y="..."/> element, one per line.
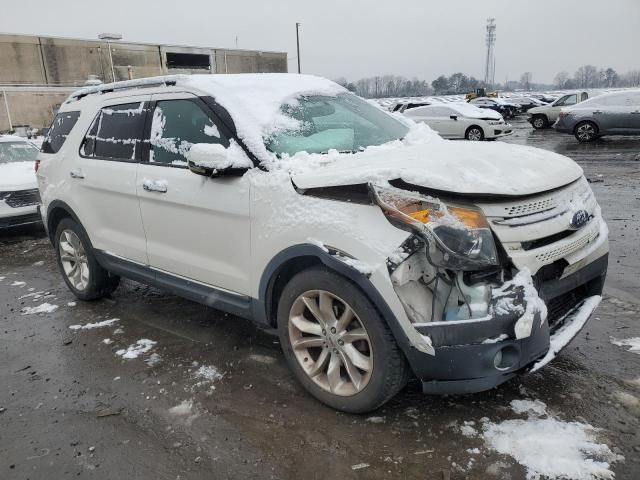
<point x="62" y="125"/>
<point x="175" y="126"/>
<point x="116" y="133"/>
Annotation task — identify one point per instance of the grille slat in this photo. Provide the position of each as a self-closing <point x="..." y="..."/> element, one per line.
<point x="23" y="198"/>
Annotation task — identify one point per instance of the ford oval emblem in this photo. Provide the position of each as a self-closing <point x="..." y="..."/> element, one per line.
<point x="579" y="219"/>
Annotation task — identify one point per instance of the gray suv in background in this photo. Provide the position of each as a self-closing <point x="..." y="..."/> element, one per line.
<point x="616" y="113"/>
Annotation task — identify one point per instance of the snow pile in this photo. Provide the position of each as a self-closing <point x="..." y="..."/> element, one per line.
<point x="42" y="308"/>
<point x="185" y="412"/>
<point x="17" y="175"/>
<point x="570" y="328"/>
<point x="18" y="283"/>
<point x="255" y="101"/>
<point x="207" y="375"/>
<point x="215" y="156"/>
<point x="135" y="350"/>
<point x="548" y="447"/>
<point x="533" y="303"/>
<point x="91" y="326"/>
<point x="153" y="360"/>
<point x="632" y="343"/>
<point x="423" y="158"/>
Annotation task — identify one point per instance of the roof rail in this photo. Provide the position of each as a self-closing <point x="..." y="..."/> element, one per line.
<point x="166" y="81"/>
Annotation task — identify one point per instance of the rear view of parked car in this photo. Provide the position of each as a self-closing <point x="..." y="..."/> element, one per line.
<point x="546" y="115"/>
<point x="616" y="113"/>
<point x="507" y="110"/>
<point x="461" y="120"/>
<point x="19" y="195"/>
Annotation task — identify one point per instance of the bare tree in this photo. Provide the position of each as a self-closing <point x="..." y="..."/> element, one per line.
<point x="560" y="81"/>
<point x="525" y="80"/>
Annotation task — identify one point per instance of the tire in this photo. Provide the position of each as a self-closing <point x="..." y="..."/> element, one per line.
<point x="364" y="390"/>
<point x="539" y="122"/>
<point x="88" y="280"/>
<point x="586" y="132"/>
<point x="474" y="133"/>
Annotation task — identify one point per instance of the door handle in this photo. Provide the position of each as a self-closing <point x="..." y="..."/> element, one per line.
<point x="597" y="111"/>
<point x="76" y="173"/>
<point x="636" y="112"/>
<point x="159" y="186"/>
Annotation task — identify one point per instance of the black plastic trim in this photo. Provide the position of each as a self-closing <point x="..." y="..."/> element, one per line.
<point x="236" y="304"/>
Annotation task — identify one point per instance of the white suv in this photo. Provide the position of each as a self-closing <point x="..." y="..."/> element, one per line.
<point x="377" y="249"/>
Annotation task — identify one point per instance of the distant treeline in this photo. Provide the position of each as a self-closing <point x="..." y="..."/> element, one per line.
<point x="587" y="76"/>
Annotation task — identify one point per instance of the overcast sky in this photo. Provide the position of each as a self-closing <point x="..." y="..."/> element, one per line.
<point x="356" y="38"/>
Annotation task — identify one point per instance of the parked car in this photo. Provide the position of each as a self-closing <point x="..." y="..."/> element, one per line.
<point x="545" y="116"/>
<point x="378" y="250"/>
<point x="526" y="103"/>
<point x="461" y="120"/>
<point x="616" y="113"/>
<point x="400" y="107"/>
<point x="19" y="197"/>
<point x="544" y="97"/>
<point x="507" y="110"/>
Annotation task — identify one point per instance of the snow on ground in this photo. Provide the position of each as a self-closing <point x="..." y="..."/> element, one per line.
<point x="42" y="308"/>
<point x="18" y="283"/>
<point x="136" y="349"/>
<point x="184" y="411"/>
<point x="153" y="360"/>
<point x="207" y="375"/>
<point x="90" y="326"/>
<point x="549" y="447"/>
<point x="632" y="343"/>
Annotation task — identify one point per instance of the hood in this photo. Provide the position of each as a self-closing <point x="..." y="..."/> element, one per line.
<point x="451" y="166"/>
<point x="17" y="176"/>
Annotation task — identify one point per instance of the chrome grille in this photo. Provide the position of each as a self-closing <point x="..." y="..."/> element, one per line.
<point x="23" y="198"/>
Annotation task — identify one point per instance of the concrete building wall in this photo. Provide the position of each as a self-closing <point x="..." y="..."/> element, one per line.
<point x="30" y="106"/>
<point x="30" y="61"/>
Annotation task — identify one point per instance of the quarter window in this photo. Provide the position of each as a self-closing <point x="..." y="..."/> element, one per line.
<point x="116" y="133"/>
<point x="59" y="130"/>
<point x="176" y="125"/>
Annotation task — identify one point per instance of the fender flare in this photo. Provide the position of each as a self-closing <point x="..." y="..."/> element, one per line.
<point x="262" y="308"/>
<point x="59" y="204"/>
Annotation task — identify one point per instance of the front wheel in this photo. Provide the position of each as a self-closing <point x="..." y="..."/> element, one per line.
<point x="80" y="270"/>
<point x="337" y="344"/>
<point x="539" y="122"/>
<point x="474" y="133"/>
<point x="586" y="132"/>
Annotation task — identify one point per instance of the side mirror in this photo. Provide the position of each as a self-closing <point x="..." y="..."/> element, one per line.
<point x="214" y="160"/>
<point x="453" y="117"/>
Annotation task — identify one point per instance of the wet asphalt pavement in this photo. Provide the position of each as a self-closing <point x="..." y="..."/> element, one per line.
<point x="72" y="407"/>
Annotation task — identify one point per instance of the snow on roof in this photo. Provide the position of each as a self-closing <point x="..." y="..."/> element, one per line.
<point x="253" y="100"/>
<point x="471" y="111"/>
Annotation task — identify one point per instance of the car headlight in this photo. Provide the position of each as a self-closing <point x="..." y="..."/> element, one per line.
<point x="497" y="122"/>
<point x="458" y="237"/>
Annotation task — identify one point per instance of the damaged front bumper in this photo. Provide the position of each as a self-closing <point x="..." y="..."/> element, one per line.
<point x="479" y="354"/>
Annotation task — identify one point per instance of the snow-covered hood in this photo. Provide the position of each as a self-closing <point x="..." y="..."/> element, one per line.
<point x="426" y="160"/>
<point x="17" y="176"/>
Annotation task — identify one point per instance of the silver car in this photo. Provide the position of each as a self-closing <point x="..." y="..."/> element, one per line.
<point x="616" y="113"/>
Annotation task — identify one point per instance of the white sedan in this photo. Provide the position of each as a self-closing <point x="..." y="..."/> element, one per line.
<point x="19" y="197"/>
<point x="461" y="120"/>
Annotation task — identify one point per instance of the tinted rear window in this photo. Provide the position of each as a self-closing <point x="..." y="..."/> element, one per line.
<point x="62" y="125"/>
<point x="116" y="133"/>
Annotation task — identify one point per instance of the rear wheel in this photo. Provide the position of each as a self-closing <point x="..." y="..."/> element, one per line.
<point x="80" y="270"/>
<point x="539" y="121"/>
<point x="337" y="344"/>
<point x="586" y="132"/>
<point x="474" y="133"/>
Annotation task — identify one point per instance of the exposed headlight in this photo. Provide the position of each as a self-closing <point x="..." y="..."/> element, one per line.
<point x="458" y="237"/>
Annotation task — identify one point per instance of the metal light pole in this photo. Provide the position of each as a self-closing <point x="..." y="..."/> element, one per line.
<point x="107" y="37"/>
<point x="298" y="44"/>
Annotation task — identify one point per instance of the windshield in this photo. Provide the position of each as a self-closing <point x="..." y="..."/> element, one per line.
<point x="345" y="123"/>
<point x="17" y="152"/>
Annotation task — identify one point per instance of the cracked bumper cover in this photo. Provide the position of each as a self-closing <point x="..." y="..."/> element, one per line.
<point x="465" y="351"/>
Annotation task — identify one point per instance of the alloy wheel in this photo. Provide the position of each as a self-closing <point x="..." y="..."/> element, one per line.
<point x="586" y="132"/>
<point x="538" y="122"/>
<point x="330" y="343"/>
<point x="474" y="135"/>
<point x="73" y="258"/>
